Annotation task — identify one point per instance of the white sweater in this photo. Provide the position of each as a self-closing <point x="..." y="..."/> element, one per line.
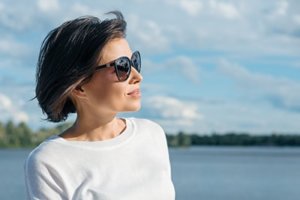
<point x="134" y="165"/>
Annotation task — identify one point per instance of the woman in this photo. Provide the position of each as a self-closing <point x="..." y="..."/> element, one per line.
<point x="86" y="66"/>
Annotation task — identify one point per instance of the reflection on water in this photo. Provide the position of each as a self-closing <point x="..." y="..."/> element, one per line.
<point x="234" y="173"/>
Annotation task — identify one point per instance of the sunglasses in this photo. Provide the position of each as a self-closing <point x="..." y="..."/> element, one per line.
<point x="123" y="65"/>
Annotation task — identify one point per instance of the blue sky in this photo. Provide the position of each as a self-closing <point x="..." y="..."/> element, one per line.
<point x="208" y="66"/>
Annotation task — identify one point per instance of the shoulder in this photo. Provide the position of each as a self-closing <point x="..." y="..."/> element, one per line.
<point x="153" y="133"/>
<point x="149" y="128"/>
<point x="43" y="153"/>
<point x="143" y="123"/>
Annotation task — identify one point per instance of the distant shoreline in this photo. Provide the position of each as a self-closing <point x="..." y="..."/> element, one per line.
<point x="21" y="136"/>
<point x="234" y="139"/>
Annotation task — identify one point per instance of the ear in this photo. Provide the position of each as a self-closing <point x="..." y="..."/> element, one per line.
<point x="79" y="92"/>
<point x="79" y="88"/>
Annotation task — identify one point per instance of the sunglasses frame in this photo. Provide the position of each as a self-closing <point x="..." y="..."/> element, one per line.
<point x="114" y="64"/>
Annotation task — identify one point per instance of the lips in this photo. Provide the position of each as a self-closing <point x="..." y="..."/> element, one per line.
<point x="136" y="91"/>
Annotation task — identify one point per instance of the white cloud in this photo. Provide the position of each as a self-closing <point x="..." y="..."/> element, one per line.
<point x="208" y="116"/>
<point x="192" y="7"/>
<point x="296" y="19"/>
<point x="281" y="8"/>
<point x="185" y="66"/>
<point x="281" y="92"/>
<point x="81" y="9"/>
<point x="251" y="32"/>
<point x="15" y="17"/>
<point x="180" y="65"/>
<point x="160" y="32"/>
<point x="227" y="10"/>
<point x="10" y="111"/>
<point x="171" y="112"/>
<point x="9" y="46"/>
<point x="5" y="102"/>
<point x="169" y="107"/>
<point x="48" y="5"/>
<point x="147" y="34"/>
<point x="249" y="116"/>
<point x="1" y="7"/>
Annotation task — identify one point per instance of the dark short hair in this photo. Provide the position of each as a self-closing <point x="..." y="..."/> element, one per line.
<point x="67" y="57"/>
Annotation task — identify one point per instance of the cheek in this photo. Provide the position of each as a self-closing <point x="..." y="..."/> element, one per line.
<point x="109" y="94"/>
<point x="106" y="92"/>
<point x="102" y="84"/>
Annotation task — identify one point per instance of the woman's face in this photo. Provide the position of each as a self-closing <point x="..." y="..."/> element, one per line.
<point x="104" y="93"/>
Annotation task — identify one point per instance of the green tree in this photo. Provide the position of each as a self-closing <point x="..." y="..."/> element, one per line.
<point x="184" y="140"/>
<point x="12" y="134"/>
<point x="24" y="133"/>
<point x="2" y="136"/>
<point x="172" y="140"/>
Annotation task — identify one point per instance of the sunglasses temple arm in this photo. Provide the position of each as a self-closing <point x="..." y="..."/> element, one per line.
<point x="104" y="66"/>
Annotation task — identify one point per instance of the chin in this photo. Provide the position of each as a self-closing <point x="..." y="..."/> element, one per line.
<point x="137" y="109"/>
<point x="133" y="108"/>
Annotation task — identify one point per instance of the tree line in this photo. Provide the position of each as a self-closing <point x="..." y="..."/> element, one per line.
<point x="233" y="139"/>
<point x="20" y="135"/>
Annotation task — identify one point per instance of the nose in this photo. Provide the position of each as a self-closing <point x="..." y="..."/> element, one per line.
<point x="135" y="76"/>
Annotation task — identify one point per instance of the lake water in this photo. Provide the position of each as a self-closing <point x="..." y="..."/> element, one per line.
<point x="201" y="173"/>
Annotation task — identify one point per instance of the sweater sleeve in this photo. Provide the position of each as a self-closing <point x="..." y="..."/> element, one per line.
<point x="161" y="139"/>
<point x="42" y="182"/>
<point x="166" y="149"/>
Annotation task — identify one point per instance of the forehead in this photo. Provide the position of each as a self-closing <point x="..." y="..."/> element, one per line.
<point x="114" y="49"/>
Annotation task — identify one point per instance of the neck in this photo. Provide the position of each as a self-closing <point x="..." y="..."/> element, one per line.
<point x="94" y="128"/>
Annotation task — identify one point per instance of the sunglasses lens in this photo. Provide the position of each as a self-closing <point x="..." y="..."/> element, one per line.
<point x="123" y="68"/>
<point x="123" y="65"/>
<point x="136" y="61"/>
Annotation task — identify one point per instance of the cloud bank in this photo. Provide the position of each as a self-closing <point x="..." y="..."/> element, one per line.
<point x="208" y="65"/>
